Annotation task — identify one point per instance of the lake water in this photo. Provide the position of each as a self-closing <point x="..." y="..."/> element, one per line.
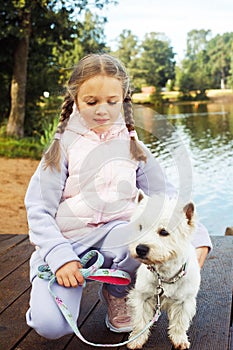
<point x="194" y="144"/>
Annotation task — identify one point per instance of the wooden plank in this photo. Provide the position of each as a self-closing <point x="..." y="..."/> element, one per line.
<point x="5" y="236"/>
<point x="94" y="330"/>
<point x="14" y="285"/>
<point x="33" y="341"/>
<point x="9" y="241"/>
<point x="211" y="325"/>
<point x="15" y="256"/>
<point x="29" y="340"/>
<point x="12" y="322"/>
<point x="13" y="329"/>
<point x="158" y="338"/>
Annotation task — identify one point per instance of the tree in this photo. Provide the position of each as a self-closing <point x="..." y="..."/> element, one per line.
<point x="156" y="62"/>
<point x="17" y="18"/>
<point x="127" y="51"/>
<point x="127" y="47"/>
<point x="230" y="77"/>
<point x="195" y="72"/>
<point x="197" y="42"/>
<point x="219" y="50"/>
<point x="20" y="21"/>
<point x="88" y="38"/>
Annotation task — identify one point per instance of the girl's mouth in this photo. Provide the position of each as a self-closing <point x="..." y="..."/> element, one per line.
<point x="101" y="121"/>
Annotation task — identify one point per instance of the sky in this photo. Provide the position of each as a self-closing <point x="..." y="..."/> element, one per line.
<point x="173" y="18"/>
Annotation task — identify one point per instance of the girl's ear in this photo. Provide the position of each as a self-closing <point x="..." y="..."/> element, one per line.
<point x="140" y="196"/>
<point x="189" y="211"/>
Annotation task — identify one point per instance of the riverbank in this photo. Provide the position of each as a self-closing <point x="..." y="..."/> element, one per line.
<point x="216" y="96"/>
<point x="14" y="178"/>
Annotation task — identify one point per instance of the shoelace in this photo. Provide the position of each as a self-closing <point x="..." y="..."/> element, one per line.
<point x="90" y="273"/>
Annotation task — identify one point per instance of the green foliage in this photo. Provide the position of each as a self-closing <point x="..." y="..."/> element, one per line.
<point x="45" y="119"/>
<point x="15" y="16"/>
<point x="150" y="62"/>
<point x="127" y="52"/>
<point x="23" y="148"/>
<point x="220" y="58"/>
<point x="88" y="38"/>
<point x="127" y="47"/>
<point x="156" y="98"/>
<point x="49" y="130"/>
<point x="208" y="61"/>
<point x="230" y="77"/>
<point x="156" y="60"/>
<point x="197" y="42"/>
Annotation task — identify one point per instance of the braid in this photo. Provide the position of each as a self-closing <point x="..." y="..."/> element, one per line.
<point x="135" y="149"/>
<point x="67" y="107"/>
<point x="53" y="154"/>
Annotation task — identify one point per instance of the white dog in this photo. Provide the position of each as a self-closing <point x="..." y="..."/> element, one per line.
<point x="169" y="271"/>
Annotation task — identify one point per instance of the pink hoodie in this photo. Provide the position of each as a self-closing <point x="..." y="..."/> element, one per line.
<point x="101" y="186"/>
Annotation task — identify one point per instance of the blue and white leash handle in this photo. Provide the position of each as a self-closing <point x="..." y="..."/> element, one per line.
<point x="94" y="272"/>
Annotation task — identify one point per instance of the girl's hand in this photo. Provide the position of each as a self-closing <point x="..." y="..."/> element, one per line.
<point x="202" y="253"/>
<point x="69" y="275"/>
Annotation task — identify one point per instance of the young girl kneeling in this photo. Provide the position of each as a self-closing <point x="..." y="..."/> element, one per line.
<point x="83" y="193"/>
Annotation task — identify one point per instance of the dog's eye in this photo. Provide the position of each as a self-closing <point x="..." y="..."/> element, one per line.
<point x="163" y="232"/>
<point x="140" y="227"/>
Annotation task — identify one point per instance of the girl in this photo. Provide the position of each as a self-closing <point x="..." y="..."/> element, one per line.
<point x="83" y="194"/>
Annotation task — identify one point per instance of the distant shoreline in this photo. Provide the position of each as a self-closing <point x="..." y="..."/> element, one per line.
<point x="214" y="95"/>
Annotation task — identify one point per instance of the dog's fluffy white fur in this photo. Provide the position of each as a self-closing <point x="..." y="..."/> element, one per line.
<point x="164" y="228"/>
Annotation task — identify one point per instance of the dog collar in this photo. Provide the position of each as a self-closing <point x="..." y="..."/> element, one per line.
<point x="172" y="280"/>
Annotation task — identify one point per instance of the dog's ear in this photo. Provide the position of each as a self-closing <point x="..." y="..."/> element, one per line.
<point x="189" y="211"/>
<point x="140" y="196"/>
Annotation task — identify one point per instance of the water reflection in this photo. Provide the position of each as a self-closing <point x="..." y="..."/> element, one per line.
<point x="194" y="143"/>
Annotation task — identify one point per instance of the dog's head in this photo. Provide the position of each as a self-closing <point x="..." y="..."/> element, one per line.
<point x="163" y="228"/>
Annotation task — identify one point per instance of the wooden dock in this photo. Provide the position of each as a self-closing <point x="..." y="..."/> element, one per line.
<point x="211" y="328"/>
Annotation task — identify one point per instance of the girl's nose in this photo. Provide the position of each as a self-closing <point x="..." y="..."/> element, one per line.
<point x="101" y="109"/>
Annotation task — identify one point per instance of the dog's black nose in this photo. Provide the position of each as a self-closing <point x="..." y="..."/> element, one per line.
<point x="142" y="250"/>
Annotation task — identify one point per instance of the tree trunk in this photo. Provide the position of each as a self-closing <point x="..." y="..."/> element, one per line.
<point x="15" y="125"/>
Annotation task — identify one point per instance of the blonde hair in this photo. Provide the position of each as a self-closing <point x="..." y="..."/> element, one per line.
<point x="89" y="67"/>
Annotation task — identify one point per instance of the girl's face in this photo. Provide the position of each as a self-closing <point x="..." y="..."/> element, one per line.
<point x="99" y="102"/>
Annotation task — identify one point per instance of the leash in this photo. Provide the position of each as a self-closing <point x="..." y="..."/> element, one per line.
<point x="94" y="272"/>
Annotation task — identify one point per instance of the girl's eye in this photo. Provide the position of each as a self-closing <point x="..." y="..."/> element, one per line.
<point x="112" y="103"/>
<point x="91" y="103"/>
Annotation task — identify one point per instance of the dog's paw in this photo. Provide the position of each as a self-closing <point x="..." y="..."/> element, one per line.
<point x="137" y="343"/>
<point x="182" y="346"/>
<point x="133" y="345"/>
<point x="180" y="343"/>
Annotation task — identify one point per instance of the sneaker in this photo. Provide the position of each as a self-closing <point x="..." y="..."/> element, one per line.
<point x="118" y="317"/>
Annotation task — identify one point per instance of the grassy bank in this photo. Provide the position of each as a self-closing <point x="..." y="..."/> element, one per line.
<point x="21" y="148"/>
<point x="222" y="95"/>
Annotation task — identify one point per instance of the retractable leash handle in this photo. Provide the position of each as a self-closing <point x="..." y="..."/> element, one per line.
<point x="93" y="273"/>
